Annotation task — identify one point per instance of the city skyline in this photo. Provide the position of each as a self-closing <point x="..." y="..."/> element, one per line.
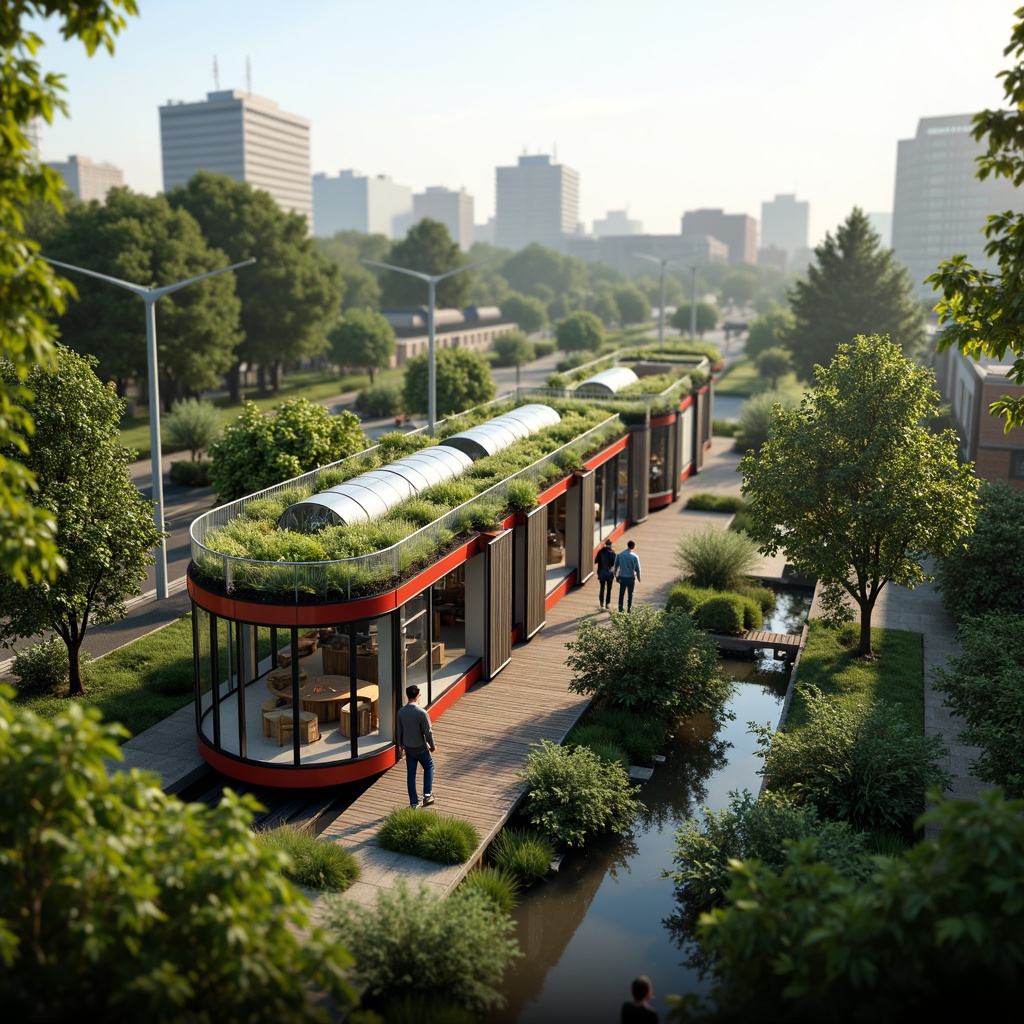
<point x="719" y="108"/>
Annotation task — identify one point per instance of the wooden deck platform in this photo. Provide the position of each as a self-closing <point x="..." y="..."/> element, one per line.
<point x="785" y="646"/>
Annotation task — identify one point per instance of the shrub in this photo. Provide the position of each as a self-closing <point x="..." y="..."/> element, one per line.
<point x="706" y="502"/>
<point x="415" y="1009"/>
<point x="638" y="734"/>
<point x="985" y="686"/>
<point x="721" y="614"/>
<point x="191" y="474"/>
<point x="315" y="863"/>
<point x="521" y="495"/>
<point x="742" y="523"/>
<point x="191" y="426"/>
<point x="437" y="837"/>
<point x="500" y="886"/>
<point x="750" y="828"/>
<point x="526" y="856"/>
<point x="764" y="597"/>
<point x="572" y="794"/>
<point x="402" y="830"/>
<point x="855" y="764"/>
<point x="715" y="558"/>
<point x="755" y="420"/>
<point x="655" y="663"/>
<point x="384" y="399"/>
<point x="686" y="597"/>
<point x="609" y="751"/>
<point x="513" y="348"/>
<point x="43" y="667"/>
<point x="544" y="347"/>
<point x="724" y="428"/>
<point x="452" y="950"/>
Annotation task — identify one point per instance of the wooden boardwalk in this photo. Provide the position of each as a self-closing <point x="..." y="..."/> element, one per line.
<point x="484" y="739"/>
<point x="786" y="646"/>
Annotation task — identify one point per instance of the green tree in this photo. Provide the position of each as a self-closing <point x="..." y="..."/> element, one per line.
<point x="605" y="308"/>
<point x="739" y="287"/>
<point x="579" y="332"/>
<point x="855" y="287"/>
<point x="191" y="426"/>
<point x="463" y="380"/>
<point x="850" y="485"/>
<point x="363" y="338"/>
<point x="119" y="902"/>
<point x="258" y="451"/>
<point x="527" y="311"/>
<point x="932" y="932"/>
<point x="105" y="529"/>
<point x="290" y="296"/>
<point x="360" y="288"/>
<point x="774" y="363"/>
<point x="768" y="331"/>
<point x="707" y="318"/>
<point x="543" y="273"/>
<point x="653" y="662"/>
<point x="632" y="305"/>
<point x="29" y="289"/>
<point x="144" y="240"/>
<point x="982" y="311"/>
<point x="427" y="249"/>
<point x="513" y="348"/>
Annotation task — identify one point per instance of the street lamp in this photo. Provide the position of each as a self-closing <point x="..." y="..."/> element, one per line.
<point x="661" y="309"/>
<point x="693" y="304"/>
<point x="149" y="297"/>
<point x="432" y="280"/>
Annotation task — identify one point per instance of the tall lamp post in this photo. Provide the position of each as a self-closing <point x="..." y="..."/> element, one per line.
<point x="149" y="297"/>
<point x="661" y="309"/>
<point x="693" y="304"/>
<point x="432" y="280"/>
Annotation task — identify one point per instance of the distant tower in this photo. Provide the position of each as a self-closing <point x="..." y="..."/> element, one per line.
<point x="453" y="209"/>
<point x="246" y="137"/>
<point x="86" y="179"/>
<point x="536" y="201"/>
<point x="784" y="224"/>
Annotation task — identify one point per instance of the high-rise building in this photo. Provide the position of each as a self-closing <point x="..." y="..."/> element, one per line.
<point x="617" y="222"/>
<point x="453" y="209"/>
<point x="784" y="223"/>
<point x="86" y="179"/>
<point x="620" y="251"/>
<point x="737" y="230"/>
<point x="940" y="207"/>
<point x="881" y="224"/>
<point x="357" y="202"/>
<point x="536" y="201"/>
<point x="246" y="137"/>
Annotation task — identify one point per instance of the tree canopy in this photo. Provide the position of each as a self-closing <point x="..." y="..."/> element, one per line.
<point x="983" y="311"/>
<point x="855" y="287"/>
<point x="850" y="485"/>
<point x="364" y="338"/>
<point x="104" y="527"/>
<point x="463" y="380"/>
<point x="290" y="296"/>
<point x="707" y="318"/>
<point x="632" y="304"/>
<point x="427" y="249"/>
<point x="529" y="312"/>
<point x="580" y="331"/>
<point x="29" y="289"/>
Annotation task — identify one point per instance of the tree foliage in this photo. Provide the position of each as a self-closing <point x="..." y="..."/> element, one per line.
<point x="707" y="318"/>
<point x="543" y="273"/>
<point x="364" y="338"/>
<point x="513" y="348"/>
<point x="463" y="380"/>
<point x="768" y="331"/>
<point x="633" y="306"/>
<point x="658" y="663"/>
<point x="191" y="426"/>
<point x="774" y="363"/>
<point x="427" y="249"/>
<point x="118" y="902"/>
<point x="579" y="332"/>
<point x="104" y="527"/>
<point x="525" y="310"/>
<point x="850" y="485"/>
<point x="982" y="310"/>
<point x="258" y="451"/>
<point x="855" y="287"/>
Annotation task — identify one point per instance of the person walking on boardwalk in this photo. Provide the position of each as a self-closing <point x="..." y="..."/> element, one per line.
<point x="637" y="1011"/>
<point x="605" y="562"/>
<point x="416" y="738"/>
<point x="627" y="570"/>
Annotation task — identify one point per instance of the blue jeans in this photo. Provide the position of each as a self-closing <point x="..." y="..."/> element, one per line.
<point x="413" y="758"/>
<point x="626" y="587"/>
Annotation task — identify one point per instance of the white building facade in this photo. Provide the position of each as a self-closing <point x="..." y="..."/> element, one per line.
<point x="86" y="179"/>
<point x="453" y="209"/>
<point x="248" y="138"/>
<point x="784" y="224"/>
<point x="536" y="201"/>
<point x="357" y="202"/>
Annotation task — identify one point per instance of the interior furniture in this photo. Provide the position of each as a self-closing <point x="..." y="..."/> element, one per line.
<point x="309" y="726"/>
<point x="335" y="693"/>
<point x="363" y="717"/>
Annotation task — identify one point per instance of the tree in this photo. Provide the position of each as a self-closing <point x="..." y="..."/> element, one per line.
<point x="983" y="311"/>
<point x="290" y="296"/>
<point x="579" y="332"/>
<point x="543" y="273"/>
<point x="427" y="249"/>
<point x="605" y="308"/>
<point x="105" y="529"/>
<point x="514" y="349"/>
<point x="525" y="310"/>
<point x="707" y="318"/>
<point x="768" y="331"/>
<point x="360" y="288"/>
<point x="774" y="363"/>
<point x="850" y="485"/>
<point x="463" y="380"/>
<point x="632" y="305"/>
<point x="144" y="240"/>
<point x="739" y="287"/>
<point x="855" y="287"/>
<point x="119" y="902"/>
<point x="362" y="338"/>
<point x="258" y="451"/>
<point x="192" y="426"/>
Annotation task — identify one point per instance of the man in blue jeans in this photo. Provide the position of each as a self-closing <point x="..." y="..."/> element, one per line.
<point x="417" y="740"/>
<point x="627" y="571"/>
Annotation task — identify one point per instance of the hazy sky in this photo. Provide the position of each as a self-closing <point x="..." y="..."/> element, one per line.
<point x="660" y="105"/>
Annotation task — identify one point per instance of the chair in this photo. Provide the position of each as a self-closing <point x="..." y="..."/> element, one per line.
<point x="309" y="726"/>
<point x="364" y="717"/>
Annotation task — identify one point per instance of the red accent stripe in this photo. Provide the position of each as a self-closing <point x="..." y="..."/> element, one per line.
<point x="661" y="501"/>
<point x="560" y="591"/>
<point x="664" y="420"/>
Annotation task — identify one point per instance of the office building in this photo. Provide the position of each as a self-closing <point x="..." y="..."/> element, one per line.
<point x="86" y="179"/>
<point x="453" y="209"/>
<point x="620" y="251"/>
<point x="357" y="202"/>
<point x="536" y="201"/>
<point x="881" y="224"/>
<point x="784" y="223"/>
<point x="940" y="207"/>
<point x="248" y="138"/>
<point x="737" y="230"/>
<point x="617" y="222"/>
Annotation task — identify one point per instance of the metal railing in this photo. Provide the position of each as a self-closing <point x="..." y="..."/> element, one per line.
<point x="374" y="573"/>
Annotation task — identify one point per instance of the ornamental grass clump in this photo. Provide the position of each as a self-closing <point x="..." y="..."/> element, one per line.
<point x="523" y="854"/>
<point x="499" y="885"/>
<point x="715" y="558"/>
<point x="438" y="837"/>
<point x="315" y="863"/>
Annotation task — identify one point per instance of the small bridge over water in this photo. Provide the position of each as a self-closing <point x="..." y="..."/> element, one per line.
<point x="784" y="646"/>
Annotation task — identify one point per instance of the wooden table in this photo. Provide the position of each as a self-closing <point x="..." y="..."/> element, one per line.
<point x="326" y="696"/>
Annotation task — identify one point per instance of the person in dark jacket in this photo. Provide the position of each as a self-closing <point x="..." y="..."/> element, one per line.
<point x="637" y="1011"/>
<point x="605" y="562"/>
<point x="627" y="569"/>
<point x="417" y="739"/>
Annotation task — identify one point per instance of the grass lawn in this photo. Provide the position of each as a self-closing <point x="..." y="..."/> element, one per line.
<point x="742" y="378"/>
<point x="895" y="676"/>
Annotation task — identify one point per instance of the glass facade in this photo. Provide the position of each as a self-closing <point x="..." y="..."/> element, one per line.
<point x="660" y="460"/>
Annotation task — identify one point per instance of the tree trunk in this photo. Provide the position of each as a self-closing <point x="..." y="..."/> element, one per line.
<point x="278" y="375"/>
<point x="234" y="380"/>
<point x="76" y="687"/>
<point x="372" y="370"/>
<point x="261" y="377"/>
<point x="866" y="608"/>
